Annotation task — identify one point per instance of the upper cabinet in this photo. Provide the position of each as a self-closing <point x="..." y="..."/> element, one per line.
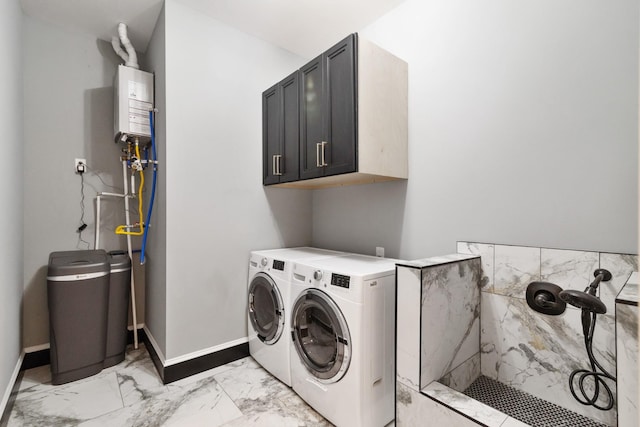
<point x="328" y="112"/>
<point x="351" y="117"/>
<point x="280" y="132"/>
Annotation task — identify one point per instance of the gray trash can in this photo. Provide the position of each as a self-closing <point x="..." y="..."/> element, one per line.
<point x="78" y="294"/>
<point x="119" y="292"/>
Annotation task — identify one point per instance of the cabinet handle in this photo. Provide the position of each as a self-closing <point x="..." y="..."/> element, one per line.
<point x="323" y="144"/>
<point x="320" y="162"/>
<point x="279" y="156"/>
<point x="276" y="164"/>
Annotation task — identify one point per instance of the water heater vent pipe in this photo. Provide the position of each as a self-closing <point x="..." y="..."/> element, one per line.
<point x="130" y="57"/>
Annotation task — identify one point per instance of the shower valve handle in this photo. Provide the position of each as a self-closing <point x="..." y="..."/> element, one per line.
<point x="546" y="300"/>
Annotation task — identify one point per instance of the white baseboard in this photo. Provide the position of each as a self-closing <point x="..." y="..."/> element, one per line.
<point x="12" y="381"/>
<point x="186" y="357"/>
<point x="35" y="348"/>
<point x="140" y="326"/>
<point x="204" y="352"/>
<point x="47" y="345"/>
<point x="155" y="345"/>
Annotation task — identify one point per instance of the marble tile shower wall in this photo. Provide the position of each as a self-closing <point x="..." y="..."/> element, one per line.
<point x="533" y="352"/>
<point x="450" y="324"/>
<point x="442" y="296"/>
<point x="627" y="353"/>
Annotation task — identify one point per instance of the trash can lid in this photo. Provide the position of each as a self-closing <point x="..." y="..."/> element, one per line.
<point x="77" y="262"/>
<point x="119" y="261"/>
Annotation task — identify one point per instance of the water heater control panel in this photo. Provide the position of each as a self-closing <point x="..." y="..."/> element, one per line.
<point x="132" y="103"/>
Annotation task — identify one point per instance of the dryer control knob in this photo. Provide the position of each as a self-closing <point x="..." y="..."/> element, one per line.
<point x="264" y="262"/>
<point x="317" y="275"/>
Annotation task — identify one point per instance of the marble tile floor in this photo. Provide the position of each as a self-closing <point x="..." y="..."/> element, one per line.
<point x="131" y="393"/>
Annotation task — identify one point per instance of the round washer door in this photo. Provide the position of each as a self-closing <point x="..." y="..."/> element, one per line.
<point x="266" y="310"/>
<point x="321" y="336"/>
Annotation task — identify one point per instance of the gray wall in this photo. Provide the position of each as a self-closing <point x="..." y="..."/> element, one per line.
<point x="217" y="210"/>
<point x="11" y="163"/>
<point x="68" y="108"/>
<point x="211" y="208"/>
<point x="522" y="130"/>
<point x="156" y="256"/>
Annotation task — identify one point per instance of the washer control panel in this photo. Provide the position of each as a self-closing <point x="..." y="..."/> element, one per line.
<point x="278" y="265"/>
<point x="340" y="280"/>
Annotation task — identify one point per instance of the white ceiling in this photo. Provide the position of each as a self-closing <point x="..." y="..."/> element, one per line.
<point x="100" y="17"/>
<point x="305" y="27"/>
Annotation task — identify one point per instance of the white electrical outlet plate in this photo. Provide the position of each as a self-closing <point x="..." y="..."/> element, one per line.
<point x="77" y="162"/>
<point x="379" y="251"/>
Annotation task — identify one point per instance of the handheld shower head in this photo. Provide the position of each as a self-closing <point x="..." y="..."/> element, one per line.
<point x="587" y="299"/>
<point x="583" y="300"/>
<point x="590" y="306"/>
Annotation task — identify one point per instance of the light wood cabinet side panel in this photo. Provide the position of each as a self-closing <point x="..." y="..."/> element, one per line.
<point x="382" y="112"/>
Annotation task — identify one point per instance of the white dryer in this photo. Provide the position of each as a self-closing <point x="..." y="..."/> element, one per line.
<point x="269" y="289"/>
<point x="343" y="335"/>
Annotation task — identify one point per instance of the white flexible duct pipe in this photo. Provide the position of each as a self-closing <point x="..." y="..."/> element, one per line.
<point x="130" y="57"/>
<point x="115" y="42"/>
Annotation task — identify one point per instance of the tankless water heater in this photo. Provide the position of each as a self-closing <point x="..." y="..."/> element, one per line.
<point x="132" y="103"/>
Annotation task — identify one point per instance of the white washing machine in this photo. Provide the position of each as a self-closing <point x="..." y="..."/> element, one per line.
<point x="343" y="337"/>
<point x="269" y="290"/>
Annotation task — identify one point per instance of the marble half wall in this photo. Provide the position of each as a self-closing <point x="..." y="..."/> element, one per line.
<point x="534" y="352"/>
<point x="438" y="334"/>
<point x="627" y="353"/>
<point x="438" y="321"/>
<point x="450" y="321"/>
<point x="414" y="409"/>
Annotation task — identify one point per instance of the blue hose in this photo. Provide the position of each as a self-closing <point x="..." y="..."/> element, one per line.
<point x="153" y="189"/>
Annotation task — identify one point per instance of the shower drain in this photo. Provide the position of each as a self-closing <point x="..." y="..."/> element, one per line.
<point x="525" y="407"/>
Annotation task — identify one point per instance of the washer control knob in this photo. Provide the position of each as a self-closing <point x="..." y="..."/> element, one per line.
<point x="263" y="262"/>
<point x="317" y="275"/>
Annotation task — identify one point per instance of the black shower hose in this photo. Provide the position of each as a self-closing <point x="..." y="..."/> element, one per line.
<point x="598" y="377"/>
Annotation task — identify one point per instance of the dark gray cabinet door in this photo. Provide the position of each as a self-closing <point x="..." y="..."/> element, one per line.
<point x="290" y="135"/>
<point x="281" y="132"/>
<point x="328" y="139"/>
<point x="312" y="126"/>
<point x="270" y="135"/>
<point x="340" y="96"/>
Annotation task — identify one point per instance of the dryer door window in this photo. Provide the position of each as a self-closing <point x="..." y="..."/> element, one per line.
<point x="266" y="311"/>
<point x="321" y="336"/>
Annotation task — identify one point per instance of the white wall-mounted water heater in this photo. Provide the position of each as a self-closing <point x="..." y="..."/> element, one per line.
<point x="133" y="101"/>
